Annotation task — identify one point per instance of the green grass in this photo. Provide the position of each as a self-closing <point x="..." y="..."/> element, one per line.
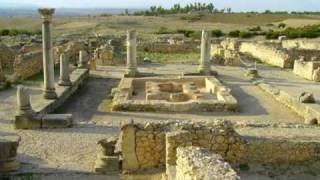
<point x="163" y="58"/>
<point x="37" y="79"/>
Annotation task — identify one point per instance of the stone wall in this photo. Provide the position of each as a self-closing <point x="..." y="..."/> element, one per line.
<point x="198" y="163"/>
<point x="151" y="145"/>
<point x="302" y="44"/>
<point x="154" y="145"/>
<point x="7" y="57"/>
<point x="28" y="64"/>
<point x="268" y="54"/>
<point x="305" y="69"/>
<point x="157" y="47"/>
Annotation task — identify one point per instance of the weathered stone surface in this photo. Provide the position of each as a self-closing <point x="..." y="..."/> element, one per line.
<point x="8" y="153"/>
<point x="56" y="121"/>
<point x="128" y="147"/>
<point x="306" y="97"/>
<point x="198" y="163"/>
<point x="27" y="122"/>
<point x="316" y="75"/>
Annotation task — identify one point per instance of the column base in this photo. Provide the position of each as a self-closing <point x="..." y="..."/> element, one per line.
<point x="50" y="94"/>
<point x="132" y="73"/>
<point x="64" y="83"/>
<point x="204" y="70"/>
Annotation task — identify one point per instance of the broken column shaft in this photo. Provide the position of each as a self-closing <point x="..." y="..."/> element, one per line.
<point x="64" y="79"/>
<point x="204" y="67"/>
<point x="131" y="53"/>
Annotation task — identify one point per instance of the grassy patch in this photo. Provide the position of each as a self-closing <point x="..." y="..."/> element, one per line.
<point x="37" y="79"/>
<point x="106" y="105"/>
<point x="164" y="58"/>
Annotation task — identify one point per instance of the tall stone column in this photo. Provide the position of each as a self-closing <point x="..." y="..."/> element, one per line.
<point x="23" y="102"/>
<point x="64" y="79"/>
<point x="131" y="53"/>
<point x="204" y="67"/>
<point x="48" y="64"/>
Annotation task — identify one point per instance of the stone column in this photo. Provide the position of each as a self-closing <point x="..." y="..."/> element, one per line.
<point x="23" y="102"/>
<point x="64" y="79"/>
<point x="131" y="53"/>
<point x="204" y="67"/>
<point x="83" y="63"/>
<point x="48" y="64"/>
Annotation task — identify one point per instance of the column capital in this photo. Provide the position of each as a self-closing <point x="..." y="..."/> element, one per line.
<point x="46" y="14"/>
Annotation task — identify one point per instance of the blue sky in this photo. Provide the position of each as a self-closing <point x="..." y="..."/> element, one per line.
<point x="236" y="5"/>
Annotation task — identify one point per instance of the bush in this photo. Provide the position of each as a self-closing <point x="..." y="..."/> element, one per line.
<point x="186" y="33"/>
<point x="254" y="29"/>
<point x="272" y="35"/>
<point x="4" y="32"/>
<point x="245" y="34"/>
<point x="235" y="33"/>
<point x="15" y="32"/>
<point x="216" y="33"/>
<point x="164" y="30"/>
<point x="282" y="25"/>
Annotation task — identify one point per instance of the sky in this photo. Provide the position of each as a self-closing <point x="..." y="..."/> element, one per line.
<point x="236" y="5"/>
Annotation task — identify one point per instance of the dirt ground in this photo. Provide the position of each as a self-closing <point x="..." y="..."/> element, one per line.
<point x="70" y="153"/>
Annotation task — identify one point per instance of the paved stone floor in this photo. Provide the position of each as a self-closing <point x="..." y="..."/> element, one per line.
<point x="70" y="153"/>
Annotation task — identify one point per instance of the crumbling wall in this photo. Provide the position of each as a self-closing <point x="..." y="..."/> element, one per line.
<point x="198" y="163"/>
<point x="305" y="69"/>
<point x="302" y="44"/>
<point x="226" y="52"/>
<point x="147" y="146"/>
<point x="7" y="57"/>
<point x="268" y="54"/>
<point x="155" y="145"/>
<point x="28" y="64"/>
<point x="157" y="47"/>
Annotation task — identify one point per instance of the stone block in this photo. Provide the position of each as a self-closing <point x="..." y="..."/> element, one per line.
<point x="27" y="122"/>
<point x="57" y="121"/>
<point x="8" y="152"/>
<point x="107" y="164"/>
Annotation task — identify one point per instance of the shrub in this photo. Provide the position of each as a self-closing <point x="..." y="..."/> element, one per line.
<point x="282" y="25"/>
<point x="254" y="29"/>
<point x="164" y="30"/>
<point x="216" y="33"/>
<point x="272" y="35"/>
<point x="245" y="34"/>
<point x="235" y="33"/>
<point x="4" y="32"/>
<point x="185" y="32"/>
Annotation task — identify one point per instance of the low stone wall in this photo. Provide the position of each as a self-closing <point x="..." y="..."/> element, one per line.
<point x="155" y="47"/>
<point x="305" y="69"/>
<point x="302" y="44"/>
<point x="28" y="64"/>
<point x="198" y="163"/>
<point x="268" y="54"/>
<point x="152" y="145"/>
<point x="307" y="111"/>
<point x="155" y="145"/>
<point x="7" y="57"/>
